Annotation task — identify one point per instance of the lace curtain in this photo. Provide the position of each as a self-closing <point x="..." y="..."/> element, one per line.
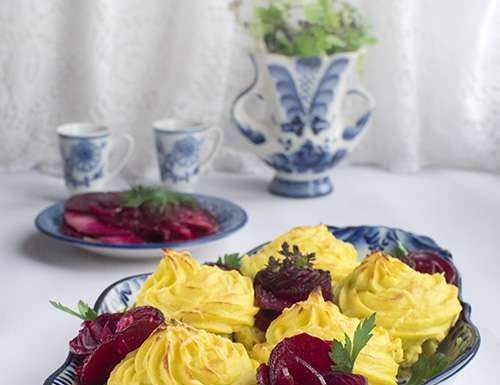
<point x="435" y="75"/>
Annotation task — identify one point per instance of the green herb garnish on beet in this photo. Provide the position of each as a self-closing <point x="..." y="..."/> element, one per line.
<point x="231" y="261"/>
<point x="427" y="367"/>
<point x="155" y="199"/>
<point x="344" y="354"/>
<point x="85" y="312"/>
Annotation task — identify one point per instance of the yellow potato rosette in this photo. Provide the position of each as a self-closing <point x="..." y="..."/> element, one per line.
<point x="177" y="354"/>
<point x="331" y="254"/>
<point x="206" y="297"/>
<point x="378" y="361"/>
<point x="418" y="308"/>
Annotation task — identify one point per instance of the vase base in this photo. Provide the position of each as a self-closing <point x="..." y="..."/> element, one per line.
<point x="301" y="189"/>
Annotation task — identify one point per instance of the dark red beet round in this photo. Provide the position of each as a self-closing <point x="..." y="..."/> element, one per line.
<point x="281" y="289"/>
<point x="264" y="318"/>
<point x="338" y="378"/>
<point x="105" y="341"/>
<point x="263" y="375"/>
<point x="430" y="262"/>
<point x="288" y="359"/>
<point x="93" y="333"/>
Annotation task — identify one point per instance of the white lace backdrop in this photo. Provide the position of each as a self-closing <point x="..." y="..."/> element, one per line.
<point x="435" y="75"/>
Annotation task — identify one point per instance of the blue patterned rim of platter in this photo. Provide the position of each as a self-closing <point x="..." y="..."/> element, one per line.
<point x="230" y="218"/>
<point x="461" y="344"/>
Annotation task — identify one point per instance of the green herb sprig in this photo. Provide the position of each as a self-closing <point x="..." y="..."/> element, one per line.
<point x="293" y="258"/>
<point x="232" y="261"/>
<point x="344" y="354"/>
<point x="155" y="199"/>
<point x="85" y="312"/>
<point x="427" y="367"/>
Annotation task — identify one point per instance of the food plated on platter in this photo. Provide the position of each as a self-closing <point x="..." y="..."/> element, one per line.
<point x="140" y="222"/>
<point x="317" y="305"/>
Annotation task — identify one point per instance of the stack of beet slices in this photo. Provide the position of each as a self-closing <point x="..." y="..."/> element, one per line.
<point x="102" y="343"/>
<point x="106" y="217"/>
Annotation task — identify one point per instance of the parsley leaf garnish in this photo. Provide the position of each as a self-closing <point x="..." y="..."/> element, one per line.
<point x="344" y="355"/>
<point x="399" y="251"/>
<point x="85" y="312"/>
<point x="427" y="367"/>
<point x="232" y="261"/>
<point x="155" y="199"/>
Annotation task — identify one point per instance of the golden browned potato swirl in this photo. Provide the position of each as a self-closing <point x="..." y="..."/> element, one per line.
<point x="206" y="297"/>
<point x="418" y="308"/>
<point x="177" y="354"/>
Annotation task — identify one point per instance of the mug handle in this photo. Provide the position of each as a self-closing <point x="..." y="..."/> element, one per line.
<point x="352" y="130"/>
<point x="218" y="136"/>
<point x="129" y="145"/>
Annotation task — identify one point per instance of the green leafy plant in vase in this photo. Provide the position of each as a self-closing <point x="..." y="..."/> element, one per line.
<point x="307" y="50"/>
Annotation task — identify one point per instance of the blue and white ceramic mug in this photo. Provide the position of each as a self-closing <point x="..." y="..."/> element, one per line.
<point x="185" y="150"/>
<point x="86" y="150"/>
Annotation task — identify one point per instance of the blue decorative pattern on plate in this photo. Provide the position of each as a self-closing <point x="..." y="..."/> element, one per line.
<point x="230" y="218"/>
<point x="461" y="344"/>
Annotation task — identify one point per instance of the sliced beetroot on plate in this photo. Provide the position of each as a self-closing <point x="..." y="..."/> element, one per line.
<point x="125" y="334"/>
<point x="89" y="225"/>
<point x="276" y="290"/>
<point x="93" y="333"/>
<point x="431" y="262"/>
<point x="263" y="375"/>
<point x="116" y="239"/>
<point x="263" y="318"/>
<point x="338" y="378"/>
<point x="290" y="356"/>
<point x="83" y="202"/>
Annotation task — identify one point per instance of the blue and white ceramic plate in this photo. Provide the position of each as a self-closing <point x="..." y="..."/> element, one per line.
<point x="230" y="217"/>
<point x="461" y="344"/>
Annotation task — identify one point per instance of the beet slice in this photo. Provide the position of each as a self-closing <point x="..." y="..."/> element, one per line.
<point x="89" y="225"/>
<point x="93" y="333"/>
<point x="115" y="239"/>
<point x="431" y="262"/>
<point x="83" y="202"/>
<point x="263" y="318"/>
<point x="263" y="375"/>
<point x="277" y="290"/>
<point x="338" y="378"/>
<point x="301" y="357"/>
<point x="104" y="342"/>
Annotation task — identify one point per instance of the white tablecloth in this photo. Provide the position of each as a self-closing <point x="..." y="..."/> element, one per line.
<point x="459" y="209"/>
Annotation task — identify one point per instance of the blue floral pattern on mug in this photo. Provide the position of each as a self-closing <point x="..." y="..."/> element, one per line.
<point x="83" y="163"/>
<point x="181" y="163"/>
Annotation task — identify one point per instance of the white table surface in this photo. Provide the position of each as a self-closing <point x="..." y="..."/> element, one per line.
<point x="459" y="209"/>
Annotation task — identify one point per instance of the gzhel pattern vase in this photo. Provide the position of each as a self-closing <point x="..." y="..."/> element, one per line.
<point x="294" y="116"/>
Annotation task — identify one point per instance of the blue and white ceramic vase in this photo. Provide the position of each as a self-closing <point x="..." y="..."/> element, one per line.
<point x="294" y="115"/>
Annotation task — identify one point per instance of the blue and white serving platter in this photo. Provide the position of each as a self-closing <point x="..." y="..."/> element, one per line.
<point x="230" y="217"/>
<point x="461" y="344"/>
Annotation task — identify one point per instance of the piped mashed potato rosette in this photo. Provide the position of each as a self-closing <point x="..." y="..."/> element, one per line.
<point x="378" y="361"/>
<point x="177" y="354"/>
<point x="331" y="254"/>
<point x="203" y="296"/>
<point x="418" y="308"/>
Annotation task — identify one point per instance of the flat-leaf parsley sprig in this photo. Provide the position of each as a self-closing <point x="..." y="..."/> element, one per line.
<point x="344" y="354"/>
<point x="85" y="312"/>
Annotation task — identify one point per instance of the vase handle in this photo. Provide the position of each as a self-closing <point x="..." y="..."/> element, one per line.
<point x="353" y="129"/>
<point x="249" y="127"/>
